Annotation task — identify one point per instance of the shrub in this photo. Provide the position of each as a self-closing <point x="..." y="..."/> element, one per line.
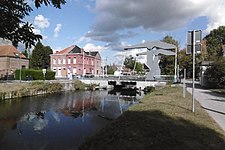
<point x="78" y="85"/>
<point x="215" y="75"/>
<point x="31" y="74"/>
<point x="149" y="89"/>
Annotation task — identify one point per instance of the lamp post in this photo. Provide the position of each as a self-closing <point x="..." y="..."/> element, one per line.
<point x="19" y="55"/>
<point x="20" y="67"/>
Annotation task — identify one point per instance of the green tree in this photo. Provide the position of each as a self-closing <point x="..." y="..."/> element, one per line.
<point x="40" y="57"/>
<point x="185" y="62"/>
<point x="214" y="41"/>
<point x="167" y="62"/>
<point x="215" y="75"/>
<point x="111" y="69"/>
<point x="25" y="53"/>
<point x="130" y="62"/>
<point x="55" y="3"/>
<point x="12" y="26"/>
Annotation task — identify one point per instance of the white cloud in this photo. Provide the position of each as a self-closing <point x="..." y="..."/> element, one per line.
<point x="120" y="56"/>
<point x="215" y="14"/>
<point x="41" y="21"/>
<point x="91" y="47"/>
<point x="44" y="37"/>
<point x="82" y="39"/>
<point x="57" y="49"/>
<point x="36" y="31"/>
<point x="117" y="16"/>
<point x="57" y="30"/>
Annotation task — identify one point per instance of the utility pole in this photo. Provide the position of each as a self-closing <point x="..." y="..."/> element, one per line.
<point x="193" y="44"/>
<point x="193" y="75"/>
<point x="184" y="83"/>
<point x="106" y="69"/>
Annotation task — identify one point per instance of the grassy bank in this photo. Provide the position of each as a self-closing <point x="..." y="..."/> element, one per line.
<point x="15" y="90"/>
<point x="162" y="120"/>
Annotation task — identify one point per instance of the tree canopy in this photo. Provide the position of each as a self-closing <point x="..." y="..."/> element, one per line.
<point x="214" y="41"/>
<point x="130" y="62"/>
<point x="40" y="57"/>
<point x="215" y="74"/>
<point x="12" y="26"/>
<point x="167" y="62"/>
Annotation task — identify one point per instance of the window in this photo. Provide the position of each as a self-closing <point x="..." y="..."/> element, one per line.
<point x="59" y="61"/>
<point x="54" y="61"/>
<point x="64" y="61"/>
<point x="74" y="60"/>
<point x="69" y="60"/>
<point x="92" y="62"/>
<point x="74" y="70"/>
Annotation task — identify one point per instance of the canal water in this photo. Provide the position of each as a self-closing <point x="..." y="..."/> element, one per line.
<point x="60" y="121"/>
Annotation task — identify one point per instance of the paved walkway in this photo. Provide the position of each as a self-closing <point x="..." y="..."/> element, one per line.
<point x="213" y="103"/>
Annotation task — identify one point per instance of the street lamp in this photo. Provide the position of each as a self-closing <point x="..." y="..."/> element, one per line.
<point x="19" y="55"/>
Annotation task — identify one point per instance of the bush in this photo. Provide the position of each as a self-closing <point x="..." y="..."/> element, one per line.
<point x="49" y="87"/>
<point x="31" y="74"/>
<point x="215" y="75"/>
<point x="149" y="89"/>
<point x="78" y="85"/>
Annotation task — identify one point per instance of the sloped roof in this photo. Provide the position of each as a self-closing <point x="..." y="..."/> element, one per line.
<point x="9" y="51"/>
<point x="76" y="49"/>
<point x="151" y="45"/>
<point x="91" y="53"/>
<point x="66" y="50"/>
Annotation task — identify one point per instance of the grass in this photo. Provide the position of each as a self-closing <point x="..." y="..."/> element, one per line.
<point x="24" y="88"/>
<point x="219" y="91"/>
<point x="162" y="120"/>
<point x="9" y="87"/>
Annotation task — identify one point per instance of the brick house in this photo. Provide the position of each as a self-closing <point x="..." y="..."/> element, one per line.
<point x="10" y="60"/>
<point x="74" y="61"/>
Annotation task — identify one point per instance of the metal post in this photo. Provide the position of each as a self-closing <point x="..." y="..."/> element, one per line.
<point x="193" y="78"/>
<point x="106" y="71"/>
<point x="20" y="66"/>
<point x="83" y="64"/>
<point x="184" y="84"/>
<point x="175" y="67"/>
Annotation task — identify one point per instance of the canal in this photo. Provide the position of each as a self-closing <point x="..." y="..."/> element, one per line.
<point x="59" y="121"/>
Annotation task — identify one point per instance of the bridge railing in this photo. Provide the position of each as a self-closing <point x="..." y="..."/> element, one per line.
<point x="164" y="77"/>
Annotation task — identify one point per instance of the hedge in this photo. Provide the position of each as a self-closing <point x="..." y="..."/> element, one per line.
<point x="31" y="74"/>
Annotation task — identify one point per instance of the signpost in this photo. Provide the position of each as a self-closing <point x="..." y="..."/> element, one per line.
<point x="44" y="72"/>
<point x="194" y="46"/>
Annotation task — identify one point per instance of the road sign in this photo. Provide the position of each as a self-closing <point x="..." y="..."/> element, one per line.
<point x="197" y="40"/>
<point x="198" y="49"/>
<point x="194" y="39"/>
<point x="44" y="71"/>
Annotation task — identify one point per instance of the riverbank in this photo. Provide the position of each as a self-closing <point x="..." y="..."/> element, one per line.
<point x="10" y="90"/>
<point x="25" y="89"/>
<point x="162" y="120"/>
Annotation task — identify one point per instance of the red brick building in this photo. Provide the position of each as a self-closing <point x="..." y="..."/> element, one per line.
<point x="74" y="61"/>
<point x="10" y="60"/>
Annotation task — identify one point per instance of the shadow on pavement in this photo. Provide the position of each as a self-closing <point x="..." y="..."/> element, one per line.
<point x="207" y="91"/>
<point x="154" y="130"/>
<point x="218" y="100"/>
<point x="209" y="109"/>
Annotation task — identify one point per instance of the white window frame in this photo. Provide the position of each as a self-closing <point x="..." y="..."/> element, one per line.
<point x="64" y="61"/>
<point x="74" y="60"/>
<point x="69" y="60"/>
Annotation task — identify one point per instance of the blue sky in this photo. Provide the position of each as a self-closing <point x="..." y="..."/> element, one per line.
<point x="107" y="26"/>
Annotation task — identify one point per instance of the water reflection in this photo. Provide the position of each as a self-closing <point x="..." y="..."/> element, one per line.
<point x="60" y="121"/>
